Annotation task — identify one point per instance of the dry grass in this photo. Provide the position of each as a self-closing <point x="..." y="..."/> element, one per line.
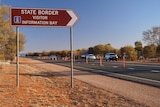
<point x="38" y="89"/>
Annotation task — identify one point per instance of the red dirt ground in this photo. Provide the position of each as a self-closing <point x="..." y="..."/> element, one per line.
<point x="37" y="90"/>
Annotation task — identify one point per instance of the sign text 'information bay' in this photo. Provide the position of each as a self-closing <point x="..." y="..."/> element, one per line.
<point x="42" y="17"/>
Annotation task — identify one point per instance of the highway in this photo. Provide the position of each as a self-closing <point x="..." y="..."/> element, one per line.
<point x="145" y="73"/>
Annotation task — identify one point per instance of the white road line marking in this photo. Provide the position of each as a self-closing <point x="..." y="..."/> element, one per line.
<point x="123" y="75"/>
<point x="131" y="68"/>
<point x="115" y="66"/>
<point x="140" y="78"/>
<point x="155" y="71"/>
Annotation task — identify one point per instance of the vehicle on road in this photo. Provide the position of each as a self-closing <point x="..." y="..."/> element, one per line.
<point x="84" y="54"/>
<point x="53" y="57"/>
<point x="91" y="56"/>
<point x="111" y="56"/>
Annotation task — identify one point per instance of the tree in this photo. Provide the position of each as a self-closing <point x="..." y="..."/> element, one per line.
<point x="149" y="51"/>
<point x="99" y="49"/>
<point x="108" y="48"/>
<point x="8" y="36"/>
<point x="78" y="53"/>
<point x="158" y="50"/>
<point x="52" y="52"/>
<point x="152" y="36"/>
<point x="139" y="48"/>
<point x="130" y="52"/>
<point x="90" y="50"/>
<point x="44" y="53"/>
<point x="65" y="53"/>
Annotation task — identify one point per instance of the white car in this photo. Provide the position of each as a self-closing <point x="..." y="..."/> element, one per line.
<point x="53" y="57"/>
<point x="111" y="56"/>
<point x="91" y="56"/>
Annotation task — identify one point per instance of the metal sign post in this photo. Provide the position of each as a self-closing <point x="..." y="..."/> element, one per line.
<point x="17" y="59"/>
<point x="71" y="48"/>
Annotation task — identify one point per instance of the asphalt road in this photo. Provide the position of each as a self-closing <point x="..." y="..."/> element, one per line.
<point x="145" y="73"/>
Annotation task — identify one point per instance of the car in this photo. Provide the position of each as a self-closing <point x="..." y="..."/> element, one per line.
<point x="83" y="56"/>
<point x="53" y="57"/>
<point x="111" y="56"/>
<point x="91" y="56"/>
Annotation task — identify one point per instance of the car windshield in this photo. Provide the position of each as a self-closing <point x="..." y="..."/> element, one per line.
<point x="112" y="54"/>
<point x="91" y="55"/>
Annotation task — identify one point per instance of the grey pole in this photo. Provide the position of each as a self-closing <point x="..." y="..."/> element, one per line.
<point x="71" y="47"/>
<point x="17" y="59"/>
<point x="159" y="34"/>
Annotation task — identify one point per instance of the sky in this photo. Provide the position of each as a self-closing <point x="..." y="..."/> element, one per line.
<point x="118" y="22"/>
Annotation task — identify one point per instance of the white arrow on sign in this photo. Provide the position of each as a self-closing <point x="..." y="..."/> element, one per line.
<point x="73" y="16"/>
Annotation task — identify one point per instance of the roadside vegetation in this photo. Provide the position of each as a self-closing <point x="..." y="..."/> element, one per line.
<point x="138" y="52"/>
<point x="8" y="44"/>
<point x="8" y="36"/>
